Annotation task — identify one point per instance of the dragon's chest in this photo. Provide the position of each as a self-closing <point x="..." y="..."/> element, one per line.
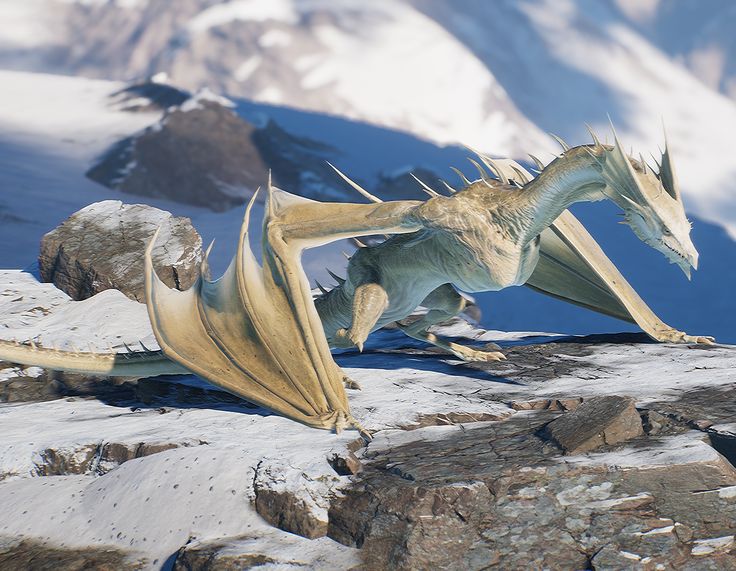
<point x="495" y="269"/>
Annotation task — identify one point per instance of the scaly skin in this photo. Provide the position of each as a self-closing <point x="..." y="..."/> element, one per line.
<point x="487" y="239"/>
<point x="483" y="238"/>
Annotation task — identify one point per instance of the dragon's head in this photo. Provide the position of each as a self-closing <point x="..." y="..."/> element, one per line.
<point x="650" y="200"/>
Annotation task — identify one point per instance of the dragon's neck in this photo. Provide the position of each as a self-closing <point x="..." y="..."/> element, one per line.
<point x="574" y="177"/>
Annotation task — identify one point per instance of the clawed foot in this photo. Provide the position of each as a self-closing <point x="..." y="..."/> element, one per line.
<point x="700" y="339"/>
<point x="343" y="339"/>
<point x="675" y="336"/>
<point x="351" y="384"/>
<point x="476" y="356"/>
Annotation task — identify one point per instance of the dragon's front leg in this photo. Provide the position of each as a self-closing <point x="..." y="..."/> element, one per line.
<point x="444" y="303"/>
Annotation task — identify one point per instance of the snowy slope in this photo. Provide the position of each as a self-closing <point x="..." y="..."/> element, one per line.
<point x="697" y="34"/>
<point x="495" y="75"/>
<point x="46" y="150"/>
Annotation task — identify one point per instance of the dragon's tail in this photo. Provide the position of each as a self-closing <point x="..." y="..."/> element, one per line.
<point x="128" y="364"/>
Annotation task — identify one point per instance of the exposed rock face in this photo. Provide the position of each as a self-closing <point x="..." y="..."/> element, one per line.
<point x="200" y="153"/>
<point x="24" y="554"/>
<point x="268" y="550"/>
<point x="102" y="246"/>
<point x="499" y="494"/>
<point x="598" y="421"/>
<point x="296" y="503"/>
<point x="149" y="96"/>
<point x="472" y="466"/>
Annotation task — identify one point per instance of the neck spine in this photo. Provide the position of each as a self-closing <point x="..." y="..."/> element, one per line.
<point x="574" y="177"/>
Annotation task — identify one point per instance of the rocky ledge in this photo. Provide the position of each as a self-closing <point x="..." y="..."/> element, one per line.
<point x="604" y="452"/>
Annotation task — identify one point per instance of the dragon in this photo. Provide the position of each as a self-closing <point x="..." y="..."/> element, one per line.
<point x="259" y="333"/>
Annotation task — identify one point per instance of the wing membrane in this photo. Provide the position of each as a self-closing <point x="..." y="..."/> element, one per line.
<point x="255" y="331"/>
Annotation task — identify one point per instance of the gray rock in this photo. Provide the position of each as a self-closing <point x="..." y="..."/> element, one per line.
<point x="594" y="423"/>
<point x="148" y="96"/>
<point x="200" y="153"/>
<point x="498" y="494"/>
<point x="299" y="506"/>
<point x="28" y="554"/>
<point x="98" y="458"/>
<point x="267" y="549"/>
<point x="102" y="246"/>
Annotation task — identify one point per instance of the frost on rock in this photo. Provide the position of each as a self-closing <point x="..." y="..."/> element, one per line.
<point x="461" y="471"/>
<point x="101" y="247"/>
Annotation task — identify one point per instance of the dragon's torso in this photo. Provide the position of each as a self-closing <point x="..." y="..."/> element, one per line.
<point x="410" y="266"/>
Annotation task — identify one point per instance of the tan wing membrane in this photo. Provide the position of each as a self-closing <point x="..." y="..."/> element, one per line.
<point x="574" y="268"/>
<point x="255" y="331"/>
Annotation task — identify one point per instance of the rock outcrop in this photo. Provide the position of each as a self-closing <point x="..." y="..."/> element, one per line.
<point x="594" y="423"/>
<point x="18" y="554"/>
<point x="605" y="452"/>
<point x="101" y="247"/>
<point x="199" y="153"/>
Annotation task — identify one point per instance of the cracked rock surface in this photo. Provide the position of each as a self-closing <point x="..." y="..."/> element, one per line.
<point x="101" y="247"/>
<point x="605" y="452"/>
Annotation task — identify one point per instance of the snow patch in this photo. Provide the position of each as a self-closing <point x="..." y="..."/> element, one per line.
<point x="243" y="10"/>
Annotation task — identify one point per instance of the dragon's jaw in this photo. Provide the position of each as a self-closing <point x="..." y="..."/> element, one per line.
<point x="671" y="240"/>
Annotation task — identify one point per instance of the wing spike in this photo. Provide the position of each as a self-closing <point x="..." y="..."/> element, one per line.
<point x="33" y="344"/>
<point x="359" y="243"/>
<point x="425" y="188"/>
<point x="127" y="347"/>
<point x="354" y="184"/>
<point x="146" y="349"/>
<point x="462" y="176"/>
<point x="335" y="277"/>
<point x="539" y="164"/>
<point x="321" y="287"/>
<point x="563" y="144"/>
<point x="204" y="266"/>
<point x="347" y="256"/>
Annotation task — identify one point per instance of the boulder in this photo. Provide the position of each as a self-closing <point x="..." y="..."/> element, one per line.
<point x="102" y="247"/>
<point x="597" y="421"/>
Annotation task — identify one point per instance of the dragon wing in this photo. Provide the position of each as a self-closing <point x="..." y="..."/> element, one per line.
<point x="573" y="267"/>
<point x="255" y="331"/>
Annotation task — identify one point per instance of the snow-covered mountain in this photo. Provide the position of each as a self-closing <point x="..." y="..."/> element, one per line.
<point x="494" y="75"/>
<point x="385" y="84"/>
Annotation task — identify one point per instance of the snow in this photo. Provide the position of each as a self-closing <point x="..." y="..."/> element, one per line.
<point x="204" y="488"/>
<point x="46" y="149"/>
<point x="247" y="10"/>
<point x="204" y="94"/>
<point x="712" y="545"/>
<point x="40" y="312"/>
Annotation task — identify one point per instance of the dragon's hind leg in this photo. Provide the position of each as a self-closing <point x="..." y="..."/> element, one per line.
<point x="444" y="303"/>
